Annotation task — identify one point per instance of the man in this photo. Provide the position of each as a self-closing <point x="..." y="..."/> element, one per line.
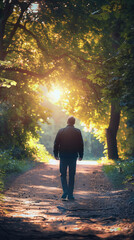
<point x="68" y="146"/>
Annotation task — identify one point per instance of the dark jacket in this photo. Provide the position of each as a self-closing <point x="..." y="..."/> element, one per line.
<point x="68" y="142"/>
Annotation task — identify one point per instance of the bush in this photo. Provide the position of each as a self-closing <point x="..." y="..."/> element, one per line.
<point x="120" y="172"/>
<point x="37" y="151"/>
<point x="19" y="159"/>
<point x="9" y="164"/>
<point x="1" y="182"/>
<point x="19" y="152"/>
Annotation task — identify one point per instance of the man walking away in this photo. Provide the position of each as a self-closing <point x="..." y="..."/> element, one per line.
<point x="68" y="146"/>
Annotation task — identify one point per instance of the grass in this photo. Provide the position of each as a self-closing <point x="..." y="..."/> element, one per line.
<point x="12" y="166"/>
<point x="11" y="162"/>
<point x="120" y="172"/>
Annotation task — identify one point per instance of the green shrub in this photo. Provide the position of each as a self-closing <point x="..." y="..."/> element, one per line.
<point x="120" y="172"/>
<point x="9" y="164"/>
<point x="18" y="159"/>
<point x="1" y="182"/>
<point x="38" y="151"/>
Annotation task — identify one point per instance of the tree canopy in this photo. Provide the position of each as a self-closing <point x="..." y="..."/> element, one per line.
<point x="86" y="47"/>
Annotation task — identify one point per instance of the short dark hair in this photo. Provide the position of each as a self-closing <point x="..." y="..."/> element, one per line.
<point x="71" y="120"/>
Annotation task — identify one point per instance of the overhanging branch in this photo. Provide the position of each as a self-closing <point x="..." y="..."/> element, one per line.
<point x="14" y="29"/>
<point x="89" y="61"/>
<point x="27" y="72"/>
<point x="41" y="47"/>
<point x="93" y="86"/>
<point x="70" y="55"/>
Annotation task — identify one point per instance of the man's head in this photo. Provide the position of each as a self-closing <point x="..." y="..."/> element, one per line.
<point x="71" y="121"/>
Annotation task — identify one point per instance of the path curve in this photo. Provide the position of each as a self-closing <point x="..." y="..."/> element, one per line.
<point x="32" y="207"/>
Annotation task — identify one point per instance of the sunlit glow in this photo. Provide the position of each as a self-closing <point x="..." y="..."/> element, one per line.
<point x="53" y="162"/>
<point x="34" y="7"/>
<point x="83" y="162"/>
<point x="87" y="128"/>
<point x="54" y="95"/>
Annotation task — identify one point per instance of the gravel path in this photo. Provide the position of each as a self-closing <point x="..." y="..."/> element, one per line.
<point x="32" y="208"/>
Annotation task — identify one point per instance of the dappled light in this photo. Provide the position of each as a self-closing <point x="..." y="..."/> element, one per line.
<point x="60" y="59"/>
<point x="34" y="199"/>
<point x="34" y="7"/>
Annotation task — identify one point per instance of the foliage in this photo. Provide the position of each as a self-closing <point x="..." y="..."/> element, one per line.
<point x="118" y="68"/>
<point x="105" y="74"/>
<point x="125" y="138"/>
<point x="93" y="149"/>
<point x="20" y="115"/>
<point x="38" y="151"/>
<point x="86" y="47"/>
<point x="21" y="102"/>
<point x="120" y="172"/>
<point x="18" y="160"/>
<point x="1" y="183"/>
<point x="9" y="164"/>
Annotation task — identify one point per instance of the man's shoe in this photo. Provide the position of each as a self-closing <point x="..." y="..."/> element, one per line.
<point x="64" y="197"/>
<point x="71" y="198"/>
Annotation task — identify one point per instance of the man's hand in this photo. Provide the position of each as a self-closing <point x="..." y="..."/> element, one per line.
<point x="80" y="159"/>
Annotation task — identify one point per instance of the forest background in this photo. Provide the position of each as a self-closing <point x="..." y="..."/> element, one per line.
<point x="85" y="49"/>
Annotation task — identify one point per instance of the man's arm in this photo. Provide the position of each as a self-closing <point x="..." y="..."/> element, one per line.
<point x="81" y="146"/>
<point x="57" y="145"/>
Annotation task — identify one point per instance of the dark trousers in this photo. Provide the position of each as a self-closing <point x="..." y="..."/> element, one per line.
<point x="64" y="164"/>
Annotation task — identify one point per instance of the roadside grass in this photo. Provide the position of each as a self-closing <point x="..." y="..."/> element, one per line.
<point x="12" y="166"/>
<point x="119" y="172"/>
<point x="15" y="161"/>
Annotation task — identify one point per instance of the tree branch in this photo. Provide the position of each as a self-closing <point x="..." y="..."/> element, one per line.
<point x="17" y="51"/>
<point x="92" y="85"/>
<point x="24" y="7"/>
<point x="27" y="72"/>
<point x="89" y="61"/>
<point x="55" y="58"/>
<point x="41" y="47"/>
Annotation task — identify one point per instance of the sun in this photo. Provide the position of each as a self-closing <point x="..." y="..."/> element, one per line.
<point x="54" y="95"/>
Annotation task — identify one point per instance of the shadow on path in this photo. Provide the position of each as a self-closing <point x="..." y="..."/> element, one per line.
<point x="32" y="208"/>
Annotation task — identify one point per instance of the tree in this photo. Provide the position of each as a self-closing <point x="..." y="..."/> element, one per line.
<point x="22" y="49"/>
<point x="74" y="43"/>
<point x="99" y="71"/>
<point x="21" y="107"/>
<point x="120" y="16"/>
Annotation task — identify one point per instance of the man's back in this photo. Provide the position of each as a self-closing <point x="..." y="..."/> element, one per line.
<point x="69" y="141"/>
<point x="68" y="146"/>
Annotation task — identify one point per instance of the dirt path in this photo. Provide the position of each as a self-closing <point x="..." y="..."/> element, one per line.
<point x="32" y="208"/>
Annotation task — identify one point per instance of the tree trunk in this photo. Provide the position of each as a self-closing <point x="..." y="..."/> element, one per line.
<point x="112" y="130"/>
